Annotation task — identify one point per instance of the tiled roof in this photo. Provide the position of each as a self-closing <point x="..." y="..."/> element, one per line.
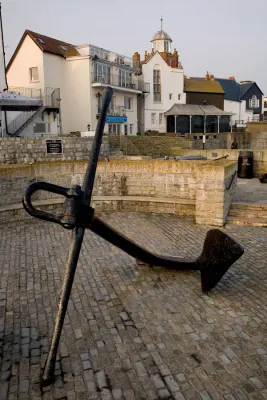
<point x="47" y="44"/>
<point x="192" y="109"/>
<point x="51" y="45"/>
<point x="202" y="86"/>
<point x="231" y="89"/>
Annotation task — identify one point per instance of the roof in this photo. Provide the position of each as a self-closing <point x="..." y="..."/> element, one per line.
<point x="161" y="35"/>
<point x="192" y="109"/>
<point x="202" y="86"/>
<point x="244" y="87"/>
<point x="231" y="89"/>
<point x="48" y="45"/>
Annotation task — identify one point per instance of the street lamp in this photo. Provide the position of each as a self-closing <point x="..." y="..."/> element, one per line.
<point x="204" y="134"/>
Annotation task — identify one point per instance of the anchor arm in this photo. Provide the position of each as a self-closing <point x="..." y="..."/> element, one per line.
<point x="133" y="249"/>
<point x="219" y="252"/>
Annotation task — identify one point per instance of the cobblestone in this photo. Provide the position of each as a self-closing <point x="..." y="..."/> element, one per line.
<point x="132" y="331"/>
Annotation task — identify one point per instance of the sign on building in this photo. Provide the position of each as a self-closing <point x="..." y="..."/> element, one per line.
<point x="115" y="119"/>
<point x="54" y="146"/>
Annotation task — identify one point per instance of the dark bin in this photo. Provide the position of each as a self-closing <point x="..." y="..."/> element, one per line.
<point x="245" y="165"/>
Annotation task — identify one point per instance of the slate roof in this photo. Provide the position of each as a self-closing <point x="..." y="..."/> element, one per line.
<point x="192" y="109"/>
<point x="202" y="86"/>
<point x="48" y="45"/>
<point x="244" y="87"/>
<point x="231" y="89"/>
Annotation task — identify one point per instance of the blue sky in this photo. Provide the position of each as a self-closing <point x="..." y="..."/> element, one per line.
<point x="224" y="37"/>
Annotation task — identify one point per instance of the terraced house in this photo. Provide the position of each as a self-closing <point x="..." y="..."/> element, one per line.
<point x="71" y="80"/>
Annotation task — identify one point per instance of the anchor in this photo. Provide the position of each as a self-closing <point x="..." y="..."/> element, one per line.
<point x="220" y="251"/>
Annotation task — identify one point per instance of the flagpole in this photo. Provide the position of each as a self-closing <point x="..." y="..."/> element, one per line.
<point x="2" y="37"/>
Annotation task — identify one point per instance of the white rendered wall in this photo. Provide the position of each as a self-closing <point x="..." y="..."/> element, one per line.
<point x="172" y="82"/>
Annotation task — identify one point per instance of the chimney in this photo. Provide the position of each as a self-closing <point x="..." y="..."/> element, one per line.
<point x="136" y="60"/>
<point x="207" y="77"/>
<point x="232" y="78"/>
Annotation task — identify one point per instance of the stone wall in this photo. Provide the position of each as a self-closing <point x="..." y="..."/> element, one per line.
<point x="256" y="127"/>
<point x="158" y="146"/>
<point x="215" y="189"/>
<point x="26" y="150"/>
<point x="259" y="157"/>
<point x="147" y="185"/>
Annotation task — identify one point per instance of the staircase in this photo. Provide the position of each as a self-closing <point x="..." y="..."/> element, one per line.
<point x="250" y="214"/>
<point x="20" y="122"/>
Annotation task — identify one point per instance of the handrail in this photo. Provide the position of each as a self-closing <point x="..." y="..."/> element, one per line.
<point x="19" y="121"/>
<point x="232" y="180"/>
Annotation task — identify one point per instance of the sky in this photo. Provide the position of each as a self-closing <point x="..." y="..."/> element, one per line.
<point x="225" y="37"/>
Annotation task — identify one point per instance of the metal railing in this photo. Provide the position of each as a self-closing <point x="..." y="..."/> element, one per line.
<point x="15" y="126"/>
<point x="127" y="146"/>
<point x="115" y="111"/>
<point x="121" y="81"/>
<point x="49" y="96"/>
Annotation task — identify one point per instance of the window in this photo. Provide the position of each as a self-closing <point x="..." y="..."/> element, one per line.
<point x="265" y="104"/>
<point x="170" y="96"/>
<point x="160" y="118"/>
<point x="254" y="102"/>
<point x="125" y="78"/>
<point x="64" y="48"/>
<point x="40" y="40"/>
<point x="125" y="130"/>
<point x="114" y="129"/>
<point x="34" y="76"/>
<point x="153" y="118"/>
<point x="179" y="97"/>
<point x="166" y="45"/>
<point x="131" y="129"/>
<point x="102" y="73"/>
<point x="128" y="101"/>
<point x="156" y="85"/>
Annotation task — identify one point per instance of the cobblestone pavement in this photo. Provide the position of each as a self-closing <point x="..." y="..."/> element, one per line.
<point x="251" y="191"/>
<point x="132" y="331"/>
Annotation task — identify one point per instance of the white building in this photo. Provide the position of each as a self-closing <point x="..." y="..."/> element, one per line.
<point x="162" y="70"/>
<point x="71" y="81"/>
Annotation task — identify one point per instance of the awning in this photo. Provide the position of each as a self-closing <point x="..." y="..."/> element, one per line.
<point x="193" y="109"/>
<point x="14" y="102"/>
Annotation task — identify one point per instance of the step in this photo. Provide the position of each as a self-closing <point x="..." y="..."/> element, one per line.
<point x="249" y="206"/>
<point x="247" y="221"/>
<point x="248" y="213"/>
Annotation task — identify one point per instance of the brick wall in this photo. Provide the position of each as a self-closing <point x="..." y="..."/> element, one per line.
<point x="26" y="150"/>
<point x="174" y="184"/>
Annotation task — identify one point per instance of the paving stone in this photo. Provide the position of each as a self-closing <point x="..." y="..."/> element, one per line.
<point x="171" y="384"/>
<point x="135" y="327"/>
<point x="117" y="394"/>
<point x="101" y="380"/>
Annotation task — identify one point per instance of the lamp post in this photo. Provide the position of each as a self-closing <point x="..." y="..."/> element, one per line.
<point x="204" y="134"/>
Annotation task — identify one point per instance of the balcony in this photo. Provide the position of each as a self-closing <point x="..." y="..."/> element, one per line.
<point x="114" y="111"/>
<point x="49" y="96"/>
<point x="132" y="84"/>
